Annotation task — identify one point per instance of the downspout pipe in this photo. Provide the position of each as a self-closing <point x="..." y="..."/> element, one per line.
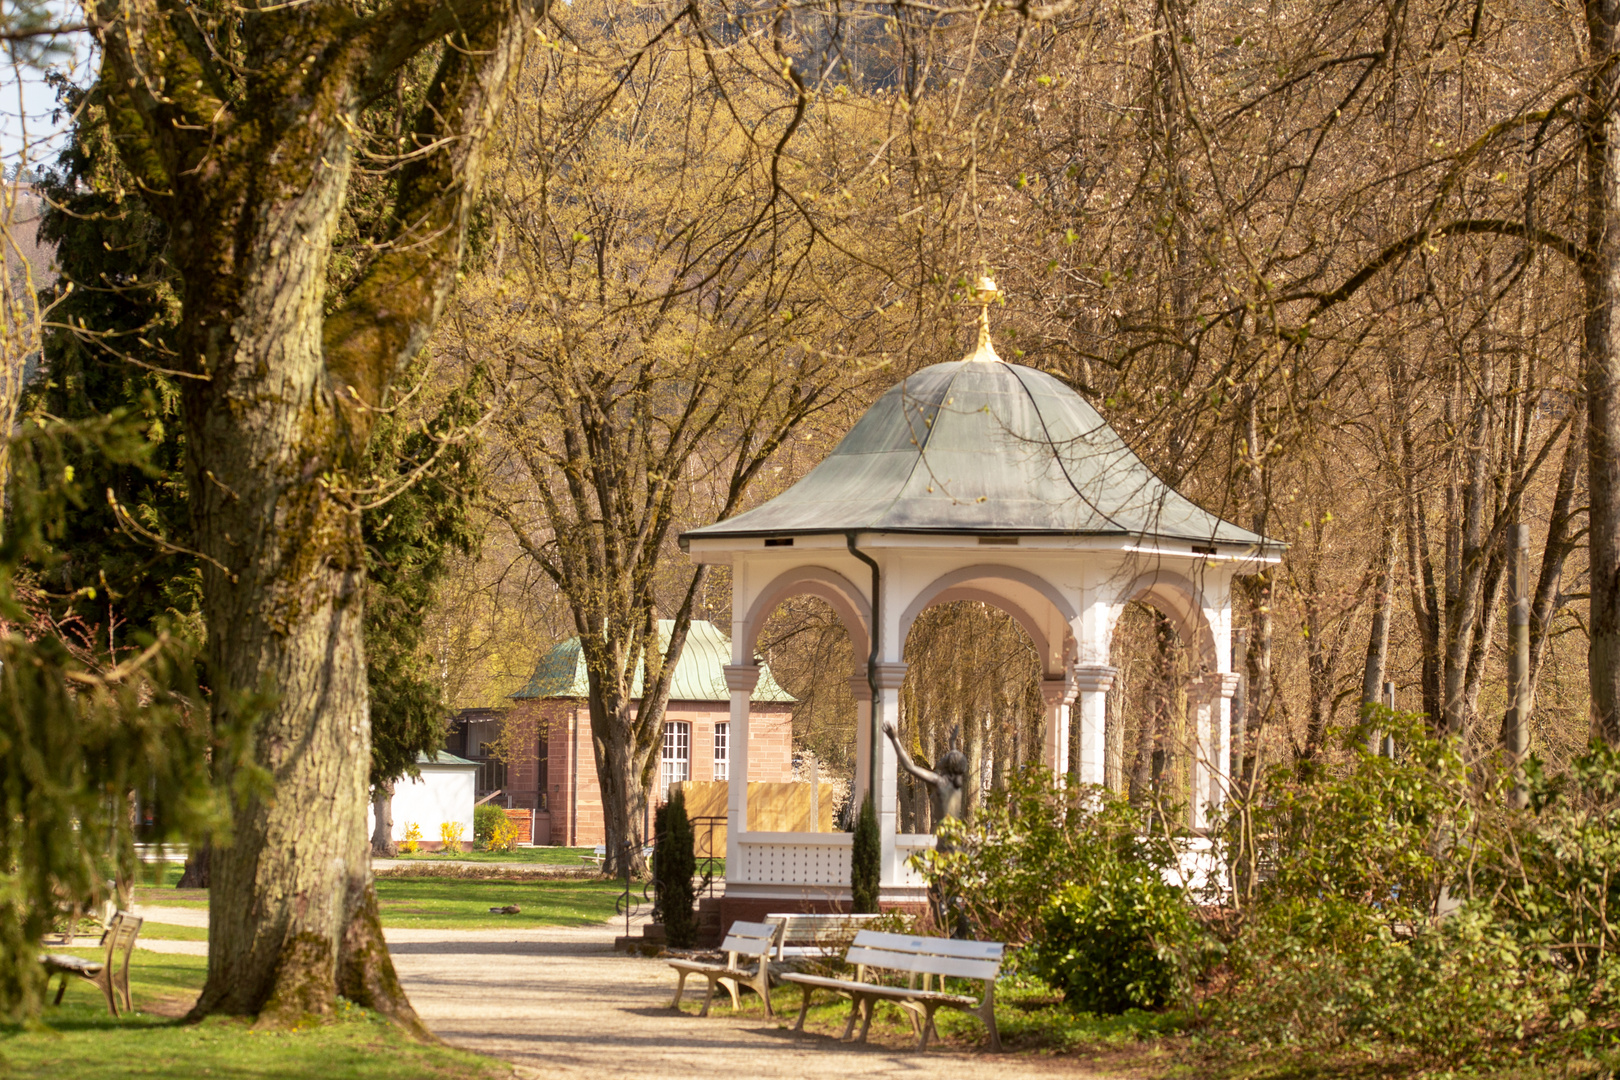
<point x="875" y="732"/>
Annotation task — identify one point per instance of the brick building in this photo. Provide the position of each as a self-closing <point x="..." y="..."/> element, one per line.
<point x="558" y="780"/>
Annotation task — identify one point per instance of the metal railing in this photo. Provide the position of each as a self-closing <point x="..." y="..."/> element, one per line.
<point x="709" y="861"/>
<point x="628" y="903"/>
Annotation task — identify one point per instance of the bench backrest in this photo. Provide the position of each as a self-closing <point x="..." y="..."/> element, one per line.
<point x="120" y="934"/>
<point x="830" y="930"/>
<point x="927" y="955"/>
<point x="750" y="939"/>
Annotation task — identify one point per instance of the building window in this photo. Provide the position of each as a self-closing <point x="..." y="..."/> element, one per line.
<point x="722" y="751"/>
<point x="677" y="755"/>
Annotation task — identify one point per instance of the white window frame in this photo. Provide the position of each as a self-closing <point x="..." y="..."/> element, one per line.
<point x="722" y="750"/>
<point x="676" y="757"/>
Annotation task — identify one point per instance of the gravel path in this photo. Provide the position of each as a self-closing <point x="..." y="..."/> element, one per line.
<point x="560" y="1002"/>
<point x="563" y="1003"/>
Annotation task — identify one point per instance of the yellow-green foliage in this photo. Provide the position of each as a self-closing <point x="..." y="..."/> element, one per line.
<point x="413" y="838"/>
<point x="504" y="838"/>
<point x="450" y="833"/>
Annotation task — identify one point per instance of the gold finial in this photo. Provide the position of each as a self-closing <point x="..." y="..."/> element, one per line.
<point x="985" y="293"/>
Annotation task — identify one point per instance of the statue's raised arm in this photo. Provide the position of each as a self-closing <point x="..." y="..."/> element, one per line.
<point x="927" y="776"/>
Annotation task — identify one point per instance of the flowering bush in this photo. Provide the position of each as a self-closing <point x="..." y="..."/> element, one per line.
<point x="450" y="835"/>
<point x="413" y="838"/>
<point x="504" y="837"/>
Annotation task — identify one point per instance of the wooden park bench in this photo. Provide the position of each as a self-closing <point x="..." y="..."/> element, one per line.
<point x="744" y="939"/>
<point x="820" y="934"/>
<point x="118" y="938"/>
<point x="876" y="954"/>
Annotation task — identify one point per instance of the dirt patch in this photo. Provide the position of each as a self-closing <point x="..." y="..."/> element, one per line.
<point x="169" y="1006"/>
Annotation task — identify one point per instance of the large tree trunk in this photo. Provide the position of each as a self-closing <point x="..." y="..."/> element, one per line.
<point x="623" y="756"/>
<point x="628" y="734"/>
<point x="382" y="830"/>
<point x="284" y="643"/>
<point x="1601" y="360"/>
<point x="196" y="874"/>
<point x="251" y="173"/>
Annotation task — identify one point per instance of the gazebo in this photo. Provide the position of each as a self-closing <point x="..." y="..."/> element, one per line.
<point x="973" y="480"/>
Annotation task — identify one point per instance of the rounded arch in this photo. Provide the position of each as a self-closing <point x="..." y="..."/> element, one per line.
<point x="1181" y="601"/>
<point x="972" y="583"/>
<point x="818" y="581"/>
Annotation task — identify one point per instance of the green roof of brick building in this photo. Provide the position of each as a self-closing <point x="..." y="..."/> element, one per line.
<point x="699" y="676"/>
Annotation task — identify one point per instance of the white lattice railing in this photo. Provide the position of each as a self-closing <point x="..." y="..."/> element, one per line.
<point x="905" y="846"/>
<point x="814" y="859"/>
<point x="783" y="858"/>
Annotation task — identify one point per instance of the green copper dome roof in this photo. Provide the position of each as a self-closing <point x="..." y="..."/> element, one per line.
<point x="982" y="446"/>
<point x="699" y="676"/>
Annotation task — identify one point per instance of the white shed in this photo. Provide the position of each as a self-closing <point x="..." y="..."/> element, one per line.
<point x="443" y="792"/>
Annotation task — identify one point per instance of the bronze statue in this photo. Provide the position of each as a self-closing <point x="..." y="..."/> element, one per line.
<point x="949" y="786"/>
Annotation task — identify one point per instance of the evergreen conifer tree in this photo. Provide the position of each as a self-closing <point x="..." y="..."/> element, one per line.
<point x="674" y="865"/>
<point x="866" y="861"/>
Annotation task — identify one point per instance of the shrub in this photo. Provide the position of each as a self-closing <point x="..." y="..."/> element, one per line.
<point x="1035" y="835"/>
<point x="450" y="834"/>
<point x="413" y="838"/>
<point x="1304" y="973"/>
<point x="674" y="864"/>
<point x="1456" y="987"/>
<point x="486" y="819"/>
<point x="1326" y="972"/>
<point x="505" y="835"/>
<point x="866" y="861"/>
<point x="1342" y="873"/>
<point x="1381" y="833"/>
<point x="1552" y="872"/>
<point x="1115" y="943"/>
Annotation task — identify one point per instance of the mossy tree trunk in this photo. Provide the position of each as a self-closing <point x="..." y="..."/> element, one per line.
<point x="241" y="129"/>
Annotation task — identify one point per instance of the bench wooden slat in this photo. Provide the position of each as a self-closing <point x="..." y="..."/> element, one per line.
<point x="751" y="944"/>
<point x="910" y="943"/>
<point x="847" y="986"/>
<point x="955" y="967"/>
<point x="55" y="962"/>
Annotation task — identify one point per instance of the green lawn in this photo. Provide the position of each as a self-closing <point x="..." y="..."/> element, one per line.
<point x="441" y="903"/>
<point x="79" y="1040"/>
<point x="550" y="856"/>
<point x="462" y="904"/>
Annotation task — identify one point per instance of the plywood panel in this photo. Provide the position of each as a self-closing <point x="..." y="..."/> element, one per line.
<point x="772" y="807"/>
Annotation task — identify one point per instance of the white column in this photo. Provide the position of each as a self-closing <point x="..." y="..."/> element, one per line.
<point x="1058" y="694"/>
<point x="1210" y="703"/>
<point x="861" y="691"/>
<point x="1092" y="682"/>
<point x="740" y="680"/>
<point x="886" y="798"/>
